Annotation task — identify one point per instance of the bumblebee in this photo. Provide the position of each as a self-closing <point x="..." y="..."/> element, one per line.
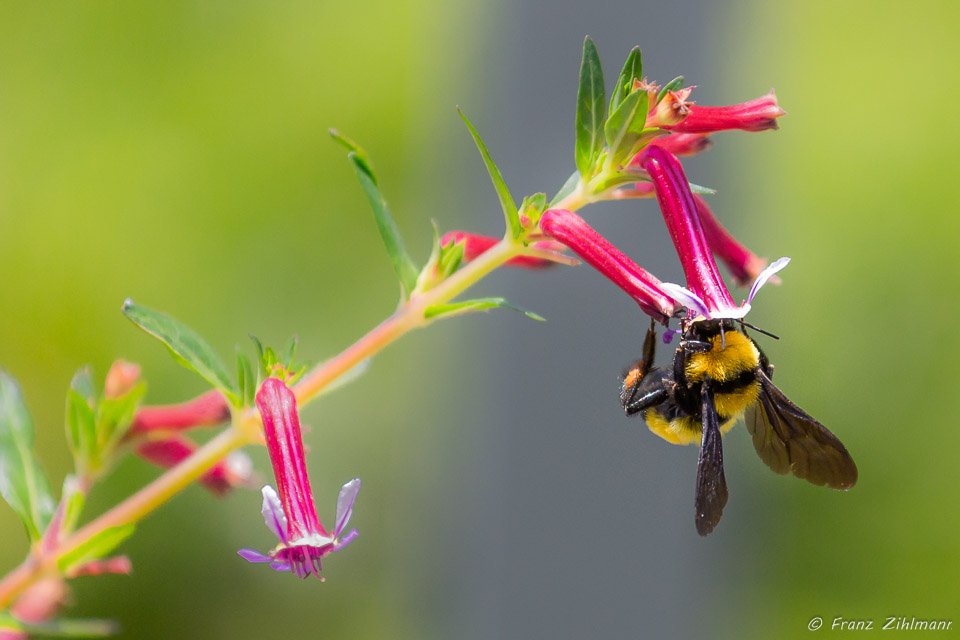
<point x="720" y="374"/>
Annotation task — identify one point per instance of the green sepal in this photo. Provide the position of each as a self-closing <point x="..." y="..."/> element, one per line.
<point x="591" y="99"/>
<point x="632" y="70"/>
<point x="452" y="309"/>
<point x="403" y="265"/>
<point x="568" y="187"/>
<point x="509" y="207"/>
<point x="187" y="347"/>
<point x="115" y="415"/>
<point x="96" y="547"/>
<point x="260" y="354"/>
<point x="704" y="191"/>
<point x="673" y="85"/>
<point x="625" y="127"/>
<point x="81" y="420"/>
<point x="289" y="350"/>
<point x="74" y="500"/>
<point x="22" y="482"/>
<point x="533" y="207"/>
<point x="246" y="376"/>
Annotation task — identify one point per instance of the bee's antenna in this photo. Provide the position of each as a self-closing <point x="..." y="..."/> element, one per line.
<point x="756" y="328"/>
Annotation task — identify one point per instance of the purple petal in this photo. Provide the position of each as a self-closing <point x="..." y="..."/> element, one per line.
<point x="347" y="539"/>
<point x="253" y="556"/>
<point x="348" y="494"/>
<point x="686" y="297"/>
<point x="280" y="565"/>
<point x="273" y="513"/>
<point x="765" y="275"/>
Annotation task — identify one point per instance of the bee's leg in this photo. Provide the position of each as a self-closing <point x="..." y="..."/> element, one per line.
<point x="688" y="399"/>
<point x="649" y="348"/>
<point x="646" y="392"/>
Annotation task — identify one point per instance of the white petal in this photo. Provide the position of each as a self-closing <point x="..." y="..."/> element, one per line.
<point x="765" y="275"/>
<point x="273" y="513"/>
<point x="686" y="297"/>
<point x="348" y="495"/>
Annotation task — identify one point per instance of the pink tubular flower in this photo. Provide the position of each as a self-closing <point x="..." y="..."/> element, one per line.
<point x="291" y="515"/>
<point x="209" y="409"/>
<point x="570" y="229"/>
<point x="706" y="294"/>
<point x="756" y="115"/>
<point x="232" y="471"/>
<point x="683" y="144"/>
<point x="475" y="244"/>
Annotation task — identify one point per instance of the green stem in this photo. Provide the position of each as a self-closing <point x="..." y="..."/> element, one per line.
<point x="245" y="429"/>
<point x="131" y="510"/>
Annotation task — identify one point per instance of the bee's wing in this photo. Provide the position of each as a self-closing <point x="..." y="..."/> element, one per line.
<point x="788" y="440"/>
<point x="711" y="484"/>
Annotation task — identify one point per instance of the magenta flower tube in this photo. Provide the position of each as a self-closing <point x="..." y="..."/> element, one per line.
<point x="570" y="229"/>
<point x="281" y="428"/>
<point x="755" y="115"/>
<point x="291" y="515"/>
<point x="680" y="213"/>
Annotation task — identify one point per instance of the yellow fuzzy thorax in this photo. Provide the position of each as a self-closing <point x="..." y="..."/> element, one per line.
<point x="738" y="355"/>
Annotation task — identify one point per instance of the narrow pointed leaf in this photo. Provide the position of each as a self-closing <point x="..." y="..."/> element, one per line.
<point x="247" y="378"/>
<point x="72" y="628"/>
<point x="75" y="500"/>
<point x="403" y="265"/>
<point x="187" y="347"/>
<point x="470" y="306"/>
<point x="626" y="126"/>
<point x="22" y="482"/>
<point x="696" y="188"/>
<point x="96" y="547"/>
<point x="289" y="350"/>
<point x="673" y="85"/>
<point x="506" y="200"/>
<point x="591" y="99"/>
<point x="632" y="70"/>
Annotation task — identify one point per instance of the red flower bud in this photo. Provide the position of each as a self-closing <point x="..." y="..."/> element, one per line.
<point x="683" y="144"/>
<point x="475" y="244"/>
<point x="209" y="409"/>
<point x="232" y="471"/>
<point x="122" y="377"/>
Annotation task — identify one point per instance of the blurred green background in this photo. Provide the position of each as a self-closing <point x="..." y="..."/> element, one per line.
<point x="178" y="153"/>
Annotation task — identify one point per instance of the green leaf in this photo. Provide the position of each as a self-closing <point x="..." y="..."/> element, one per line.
<point x="590" y="110"/>
<point x="533" y="207"/>
<point x="506" y="200"/>
<point x="626" y="126"/>
<point x="260" y="354"/>
<point x="469" y="306"/>
<point x="632" y="70"/>
<point x="22" y="482"/>
<point x="81" y="421"/>
<point x="96" y="547"/>
<point x="673" y="85"/>
<point x="187" y="347"/>
<point x="568" y="187"/>
<point x="72" y="628"/>
<point x="403" y="265"/>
